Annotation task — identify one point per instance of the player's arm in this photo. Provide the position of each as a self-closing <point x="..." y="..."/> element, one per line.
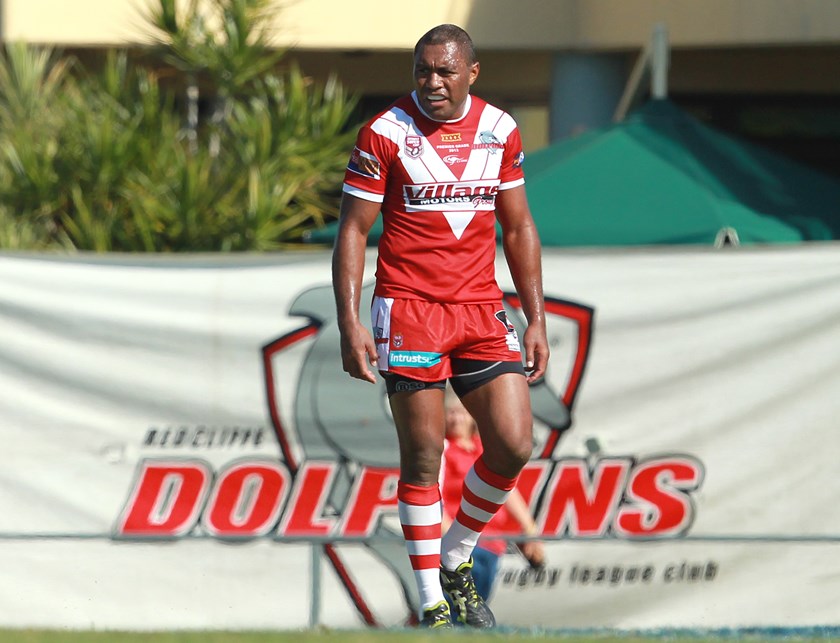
<point x="533" y="550"/>
<point x="348" y="265"/>
<point x="523" y="253"/>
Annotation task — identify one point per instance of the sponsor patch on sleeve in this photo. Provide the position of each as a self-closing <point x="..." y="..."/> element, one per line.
<point x="364" y="164"/>
<point x="520" y="158"/>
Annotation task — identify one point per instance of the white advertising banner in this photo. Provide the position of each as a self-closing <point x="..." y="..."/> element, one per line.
<point x="181" y="448"/>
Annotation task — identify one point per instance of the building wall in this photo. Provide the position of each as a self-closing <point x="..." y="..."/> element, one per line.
<point x="725" y="55"/>
<point x="495" y="24"/>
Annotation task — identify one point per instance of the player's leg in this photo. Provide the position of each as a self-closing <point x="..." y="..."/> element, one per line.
<point x="489" y="481"/>
<point x="412" y="339"/>
<point x="489" y="378"/>
<point x="418" y="416"/>
<point x="501" y="408"/>
<point x="420" y="421"/>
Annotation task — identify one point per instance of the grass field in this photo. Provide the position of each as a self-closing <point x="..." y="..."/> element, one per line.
<point x="388" y="636"/>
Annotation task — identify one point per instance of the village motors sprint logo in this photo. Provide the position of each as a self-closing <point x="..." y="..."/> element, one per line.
<point x="339" y="468"/>
<point x="479" y="195"/>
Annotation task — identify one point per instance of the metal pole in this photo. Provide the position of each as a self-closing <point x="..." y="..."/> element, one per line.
<point x="634" y="88"/>
<point x="315" y="587"/>
<point x="659" y="62"/>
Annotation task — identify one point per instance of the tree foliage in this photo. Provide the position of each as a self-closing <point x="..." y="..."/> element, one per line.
<point x="114" y="159"/>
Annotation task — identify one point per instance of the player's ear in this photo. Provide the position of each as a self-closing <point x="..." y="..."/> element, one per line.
<point x="474" y="69"/>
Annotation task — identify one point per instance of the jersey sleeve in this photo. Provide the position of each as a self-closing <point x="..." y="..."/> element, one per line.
<point x="367" y="172"/>
<point x="511" y="174"/>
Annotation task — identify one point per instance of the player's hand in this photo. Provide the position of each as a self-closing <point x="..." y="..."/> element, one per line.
<point x="536" y="352"/>
<point x="358" y="352"/>
<point x="534" y="552"/>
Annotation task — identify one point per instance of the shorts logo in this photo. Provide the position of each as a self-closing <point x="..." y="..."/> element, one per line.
<point x="502" y="317"/>
<point x="398" y="340"/>
<point x="511" y="338"/>
<point x="413" y="146"/>
<point x="413" y="359"/>
<point x="409" y="385"/>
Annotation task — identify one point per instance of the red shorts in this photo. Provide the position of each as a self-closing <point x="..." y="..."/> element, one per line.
<point x="418" y="339"/>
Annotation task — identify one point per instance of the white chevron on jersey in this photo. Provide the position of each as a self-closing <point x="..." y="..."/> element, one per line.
<point x="429" y="169"/>
<point x="459" y="221"/>
<point x="484" y="162"/>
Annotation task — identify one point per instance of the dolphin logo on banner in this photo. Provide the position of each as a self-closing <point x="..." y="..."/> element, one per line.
<point x="322" y="415"/>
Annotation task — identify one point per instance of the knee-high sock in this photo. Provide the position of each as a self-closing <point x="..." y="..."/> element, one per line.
<point x="484" y="493"/>
<point x="420" y="511"/>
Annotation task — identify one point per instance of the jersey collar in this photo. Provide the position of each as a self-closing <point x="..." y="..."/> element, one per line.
<point x="467" y="106"/>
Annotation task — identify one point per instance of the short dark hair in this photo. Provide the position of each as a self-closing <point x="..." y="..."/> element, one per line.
<point x="444" y="34"/>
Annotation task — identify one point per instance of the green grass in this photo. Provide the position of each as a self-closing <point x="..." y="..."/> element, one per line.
<point x="366" y="636"/>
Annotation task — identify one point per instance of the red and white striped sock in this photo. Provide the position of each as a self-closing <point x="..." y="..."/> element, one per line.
<point x="420" y="512"/>
<point x="484" y="493"/>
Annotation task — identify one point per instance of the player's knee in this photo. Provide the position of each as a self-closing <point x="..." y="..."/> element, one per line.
<point x="509" y="458"/>
<point x="518" y="455"/>
<point x="421" y="466"/>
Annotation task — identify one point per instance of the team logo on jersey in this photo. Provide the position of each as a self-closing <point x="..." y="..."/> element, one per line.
<point x="364" y="164"/>
<point x="413" y="146"/>
<point x="489" y="142"/>
<point x="453" y="159"/>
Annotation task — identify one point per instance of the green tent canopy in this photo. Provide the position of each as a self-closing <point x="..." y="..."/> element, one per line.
<point x="663" y="177"/>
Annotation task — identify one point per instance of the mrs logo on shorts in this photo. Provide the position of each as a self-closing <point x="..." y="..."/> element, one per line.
<point x="511" y="338"/>
<point x="413" y="146"/>
<point x="502" y="317"/>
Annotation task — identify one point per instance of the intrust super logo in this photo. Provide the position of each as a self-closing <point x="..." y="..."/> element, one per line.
<point x="413" y="359"/>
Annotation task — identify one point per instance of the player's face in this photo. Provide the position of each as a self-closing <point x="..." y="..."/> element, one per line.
<point x="442" y="77"/>
<point x="459" y="423"/>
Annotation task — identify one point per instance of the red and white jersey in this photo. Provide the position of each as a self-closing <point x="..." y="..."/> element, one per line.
<point x="437" y="182"/>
